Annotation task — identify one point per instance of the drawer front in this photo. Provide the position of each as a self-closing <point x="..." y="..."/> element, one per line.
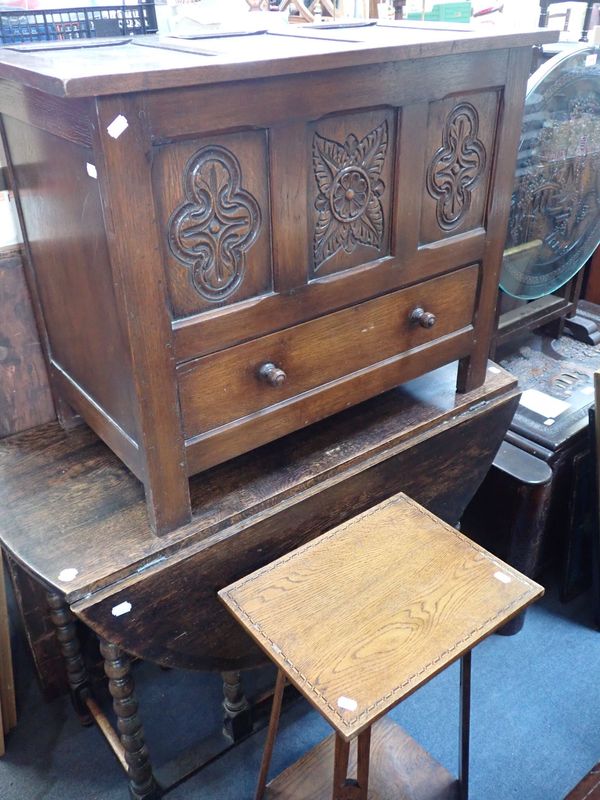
<point x="236" y="383"/>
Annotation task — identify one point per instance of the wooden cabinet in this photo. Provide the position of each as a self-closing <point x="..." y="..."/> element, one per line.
<point x="232" y="243"/>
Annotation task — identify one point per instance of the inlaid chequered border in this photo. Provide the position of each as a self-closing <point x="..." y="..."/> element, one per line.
<point x="387" y="700"/>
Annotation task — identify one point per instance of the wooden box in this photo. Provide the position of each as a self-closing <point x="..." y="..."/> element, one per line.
<point x="231" y="243"/>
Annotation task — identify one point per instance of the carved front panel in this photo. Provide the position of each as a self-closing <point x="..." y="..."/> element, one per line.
<point x="458" y="159"/>
<point x="214" y="217"/>
<point x="350" y="190"/>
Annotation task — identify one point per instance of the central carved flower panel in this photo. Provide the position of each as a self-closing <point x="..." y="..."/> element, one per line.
<point x="348" y="202"/>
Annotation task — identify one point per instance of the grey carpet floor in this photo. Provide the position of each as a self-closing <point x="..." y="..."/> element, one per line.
<point x="535" y="722"/>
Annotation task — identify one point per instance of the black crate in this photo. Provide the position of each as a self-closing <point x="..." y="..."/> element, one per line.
<point x="76" y="23"/>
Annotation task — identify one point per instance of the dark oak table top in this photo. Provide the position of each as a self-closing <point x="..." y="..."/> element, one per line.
<point x="365" y="614"/>
<point x="99" y="70"/>
<point x="68" y="503"/>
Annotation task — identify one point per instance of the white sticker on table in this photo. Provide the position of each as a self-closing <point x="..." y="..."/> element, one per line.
<point x="543" y="404"/>
<point x="122" y="608"/>
<point x="67" y="575"/>
<point x="117" y="126"/>
<point x="347" y="703"/>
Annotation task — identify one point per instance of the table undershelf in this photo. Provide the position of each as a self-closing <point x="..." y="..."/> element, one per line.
<point x="400" y="769"/>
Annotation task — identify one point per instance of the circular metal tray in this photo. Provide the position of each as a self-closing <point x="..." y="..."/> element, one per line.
<point x="554" y="224"/>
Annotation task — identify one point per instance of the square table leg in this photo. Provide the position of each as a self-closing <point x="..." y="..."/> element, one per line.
<point x="271" y="734"/>
<point x="465" y="725"/>
<point x="345" y="788"/>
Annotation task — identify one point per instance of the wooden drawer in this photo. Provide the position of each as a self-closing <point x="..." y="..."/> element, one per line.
<point x="226" y="386"/>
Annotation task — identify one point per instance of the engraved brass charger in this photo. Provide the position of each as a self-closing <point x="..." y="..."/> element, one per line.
<point x="554" y="224"/>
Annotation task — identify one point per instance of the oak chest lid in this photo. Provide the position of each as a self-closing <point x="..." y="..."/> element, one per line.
<point x="156" y="63"/>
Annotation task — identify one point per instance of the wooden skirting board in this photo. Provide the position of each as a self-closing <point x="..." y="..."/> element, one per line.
<point x="588" y="788"/>
<point x="8" y="710"/>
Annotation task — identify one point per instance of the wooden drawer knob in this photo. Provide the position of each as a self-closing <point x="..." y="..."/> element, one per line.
<point x="424" y="318"/>
<point x="271" y="374"/>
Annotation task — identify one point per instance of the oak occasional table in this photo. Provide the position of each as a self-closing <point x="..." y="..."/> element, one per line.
<point x="357" y="620"/>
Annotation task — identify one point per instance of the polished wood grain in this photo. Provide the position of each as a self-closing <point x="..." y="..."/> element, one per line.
<point x="176" y="636"/>
<point x="373" y="609"/>
<point x="57" y="196"/>
<point x="32" y="601"/>
<point x="588" y="787"/>
<point x="476" y="114"/>
<point x="170" y="179"/>
<point x="67" y="119"/>
<point x="8" y="706"/>
<point x="137" y="272"/>
<point x="67" y="502"/>
<point x="227" y="441"/>
<point x="130" y="68"/>
<point x="234" y="209"/>
<point x="25" y="399"/>
<point x="508" y="133"/>
<point x="225" y="386"/>
<point x="400" y="769"/>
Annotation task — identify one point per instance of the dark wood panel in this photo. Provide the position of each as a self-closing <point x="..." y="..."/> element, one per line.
<point x="206" y="151"/>
<point x="254" y="430"/>
<point x="228" y="385"/>
<point x="25" y="399"/>
<point x="65" y="234"/>
<point x="69" y="489"/>
<point x="399" y="769"/>
<point x="458" y="163"/>
<point x="351" y="189"/>
<point x="212" y="197"/>
<point x="135" y="257"/>
<point x="588" y="788"/>
<point x="285" y="99"/>
<point x="80" y="403"/>
<point x="193" y="630"/>
<point x="206" y="333"/>
<point x="130" y="68"/>
<point x="32" y="602"/>
<point x="473" y="368"/>
<point x="289" y="240"/>
<point x="68" y="119"/>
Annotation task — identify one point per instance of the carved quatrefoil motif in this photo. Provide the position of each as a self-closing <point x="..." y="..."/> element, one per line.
<point x="348" y="204"/>
<point x="212" y="232"/>
<point x="456" y="167"/>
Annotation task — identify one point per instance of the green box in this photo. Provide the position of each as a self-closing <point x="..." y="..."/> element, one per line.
<point x="445" y="12"/>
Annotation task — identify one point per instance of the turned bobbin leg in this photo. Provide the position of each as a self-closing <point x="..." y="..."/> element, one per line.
<point x="66" y="632"/>
<point x="237" y="721"/>
<point x="117" y="667"/>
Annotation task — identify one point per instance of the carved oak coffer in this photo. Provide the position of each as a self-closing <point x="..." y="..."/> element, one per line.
<point x="231" y="239"/>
